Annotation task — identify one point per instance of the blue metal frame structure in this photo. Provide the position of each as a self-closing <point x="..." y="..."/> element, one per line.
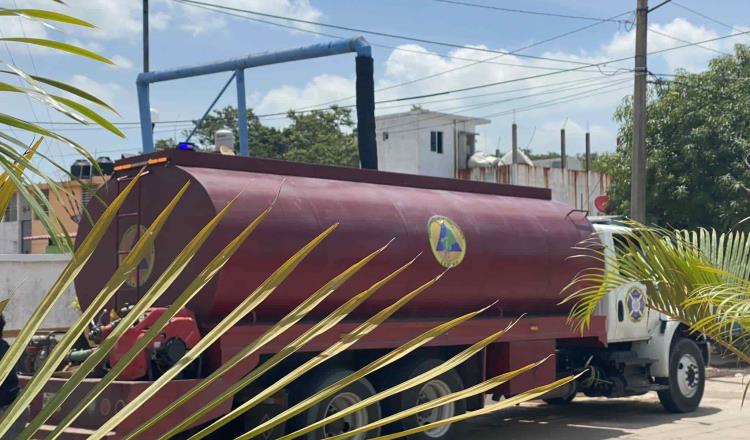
<point x="365" y="88"/>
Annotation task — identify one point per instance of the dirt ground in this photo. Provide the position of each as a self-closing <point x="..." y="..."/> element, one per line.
<point x="719" y="416"/>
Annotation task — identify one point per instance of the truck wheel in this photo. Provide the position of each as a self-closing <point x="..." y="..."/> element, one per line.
<point x="560" y="400"/>
<point x="348" y="396"/>
<point x="447" y="383"/>
<point x="687" y="377"/>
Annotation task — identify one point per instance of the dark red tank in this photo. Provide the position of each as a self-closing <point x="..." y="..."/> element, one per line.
<point x="517" y="240"/>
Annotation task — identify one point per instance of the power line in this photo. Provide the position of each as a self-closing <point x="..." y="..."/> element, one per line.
<point x="473" y="61"/>
<point x="378" y="33"/>
<point x="131" y="125"/>
<point x="700" y="14"/>
<point x="540" y="13"/>
<point x="658" y="6"/>
<point x="663" y="34"/>
<point x="550" y="103"/>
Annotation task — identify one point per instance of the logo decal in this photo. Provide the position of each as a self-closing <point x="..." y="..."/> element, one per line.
<point x="636" y="303"/>
<point x="129" y="238"/>
<point x="446" y="241"/>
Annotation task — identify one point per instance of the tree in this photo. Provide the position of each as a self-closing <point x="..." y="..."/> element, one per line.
<point x="321" y="136"/>
<point x="698" y="131"/>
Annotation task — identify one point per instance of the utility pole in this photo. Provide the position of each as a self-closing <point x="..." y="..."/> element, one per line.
<point x="145" y="35"/>
<point x="638" y="153"/>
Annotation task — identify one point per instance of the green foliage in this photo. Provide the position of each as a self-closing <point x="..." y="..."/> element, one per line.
<point x="322" y="136"/>
<point x="698" y="132"/>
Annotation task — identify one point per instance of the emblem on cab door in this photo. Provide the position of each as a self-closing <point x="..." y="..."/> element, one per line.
<point x="636" y="303"/>
<point x="446" y="240"/>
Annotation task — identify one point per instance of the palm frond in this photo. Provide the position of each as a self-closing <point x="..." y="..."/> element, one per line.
<point x="697" y="277"/>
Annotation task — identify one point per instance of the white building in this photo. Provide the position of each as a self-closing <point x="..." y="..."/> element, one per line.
<point x="424" y="142"/>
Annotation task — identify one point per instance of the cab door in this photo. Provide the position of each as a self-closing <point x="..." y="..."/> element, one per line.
<point x="628" y="317"/>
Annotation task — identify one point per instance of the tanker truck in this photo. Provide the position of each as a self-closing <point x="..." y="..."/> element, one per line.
<point x="513" y="244"/>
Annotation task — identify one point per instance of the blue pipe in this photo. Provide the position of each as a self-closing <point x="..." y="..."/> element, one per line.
<point x="358" y="45"/>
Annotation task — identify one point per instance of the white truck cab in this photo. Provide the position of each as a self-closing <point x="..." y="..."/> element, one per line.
<point x="646" y="351"/>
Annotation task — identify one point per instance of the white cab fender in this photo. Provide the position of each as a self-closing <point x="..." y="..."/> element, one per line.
<point x="658" y="346"/>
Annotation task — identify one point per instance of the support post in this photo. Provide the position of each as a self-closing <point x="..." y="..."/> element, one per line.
<point x="588" y="171"/>
<point x="563" y="153"/>
<point x="242" y="121"/>
<point x="144" y="108"/>
<point x="514" y="155"/>
<point x="638" y="154"/>
<point x="368" y="153"/>
<point x="145" y="35"/>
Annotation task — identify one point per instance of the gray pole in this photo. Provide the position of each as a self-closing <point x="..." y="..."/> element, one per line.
<point x="514" y="154"/>
<point x="638" y="176"/>
<point x="145" y="35"/>
<point x="563" y="154"/>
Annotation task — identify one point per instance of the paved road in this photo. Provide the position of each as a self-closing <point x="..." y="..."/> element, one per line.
<point x="719" y="417"/>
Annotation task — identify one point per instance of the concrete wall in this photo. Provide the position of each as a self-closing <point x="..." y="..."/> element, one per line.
<point x="567" y="186"/>
<point x="9" y="236"/>
<point x="407" y="147"/>
<point x="26" y="278"/>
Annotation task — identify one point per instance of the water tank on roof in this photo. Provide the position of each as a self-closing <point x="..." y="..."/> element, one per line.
<point x="223" y="137"/>
<point x="106" y="165"/>
<point x="81" y="169"/>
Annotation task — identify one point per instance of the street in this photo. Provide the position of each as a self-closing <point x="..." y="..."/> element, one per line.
<point x="719" y="417"/>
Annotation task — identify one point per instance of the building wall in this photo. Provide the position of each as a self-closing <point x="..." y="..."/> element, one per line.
<point x="397" y="145"/>
<point x="407" y="147"/>
<point x="68" y="208"/>
<point x="26" y="279"/>
<point x="567" y="185"/>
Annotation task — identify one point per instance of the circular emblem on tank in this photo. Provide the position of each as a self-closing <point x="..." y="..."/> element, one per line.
<point x="446" y="240"/>
<point x="129" y="238"/>
<point x="636" y="303"/>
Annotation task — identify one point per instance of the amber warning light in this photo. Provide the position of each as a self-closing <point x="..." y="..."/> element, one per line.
<point x="154" y="161"/>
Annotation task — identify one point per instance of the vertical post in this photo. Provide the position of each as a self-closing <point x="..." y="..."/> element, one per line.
<point x="144" y="108"/>
<point x="242" y="121"/>
<point x="368" y="152"/>
<point x="588" y="171"/>
<point x="638" y="175"/>
<point x="563" y="153"/>
<point x="145" y="35"/>
<point x="514" y="155"/>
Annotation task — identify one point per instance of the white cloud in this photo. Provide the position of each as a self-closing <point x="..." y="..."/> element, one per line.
<point x="122" y="62"/>
<point x="112" y="18"/>
<point x="199" y="20"/>
<point x="106" y="91"/>
<point x="693" y="58"/>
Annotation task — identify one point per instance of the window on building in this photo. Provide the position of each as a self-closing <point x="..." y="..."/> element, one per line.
<point x="11" y="212"/>
<point x="385" y="135"/>
<point x="42" y="205"/>
<point x="436" y="142"/>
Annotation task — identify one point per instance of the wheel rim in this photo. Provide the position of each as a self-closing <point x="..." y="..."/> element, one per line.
<point x="688" y="375"/>
<point x="349" y="422"/>
<point x="430" y="391"/>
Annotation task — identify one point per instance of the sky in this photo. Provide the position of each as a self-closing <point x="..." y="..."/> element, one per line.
<point x="183" y="35"/>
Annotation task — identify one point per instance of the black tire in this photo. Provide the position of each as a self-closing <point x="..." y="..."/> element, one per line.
<point x="687" y="375"/>
<point x="449" y="382"/>
<point x="560" y="400"/>
<point x="357" y="391"/>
